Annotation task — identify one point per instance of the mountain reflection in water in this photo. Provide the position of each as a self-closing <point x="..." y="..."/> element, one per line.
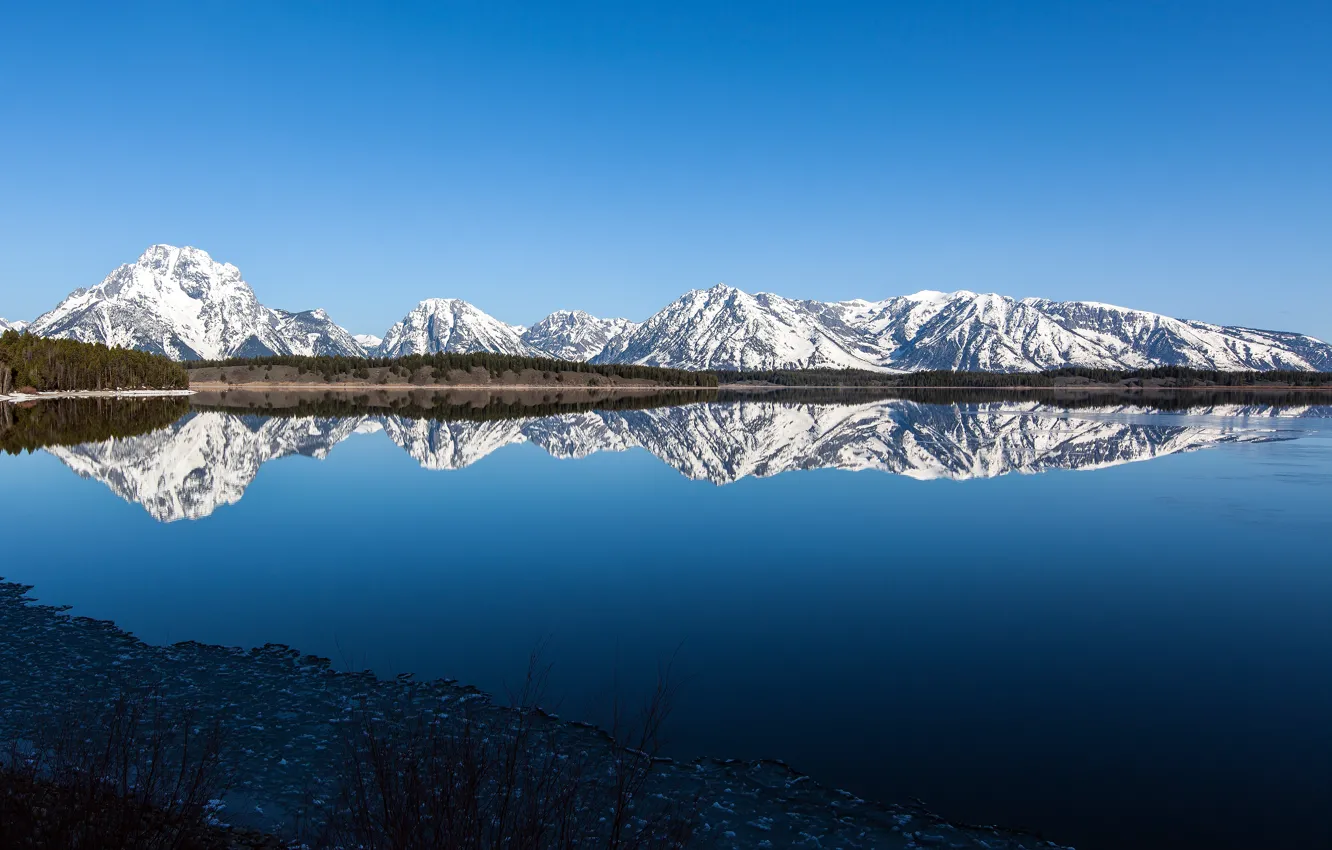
<point x="184" y="462"/>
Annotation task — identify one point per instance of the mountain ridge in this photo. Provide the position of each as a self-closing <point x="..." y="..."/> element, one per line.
<point x="181" y="303"/>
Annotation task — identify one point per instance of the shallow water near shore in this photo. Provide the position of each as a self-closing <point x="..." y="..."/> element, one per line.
<point x="1101" y="621"/>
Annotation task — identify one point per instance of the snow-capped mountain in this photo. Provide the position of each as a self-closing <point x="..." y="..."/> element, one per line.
<point x="208" y="459"/>
<point x="182" y="303"/>
<point x="314" y="333"/>
<point x="575" y="335"/>
<point x="6" y="325"/>
<point x="452" y="326"/>
<point x="368" y="342"/>
<point x="724" y="328"/>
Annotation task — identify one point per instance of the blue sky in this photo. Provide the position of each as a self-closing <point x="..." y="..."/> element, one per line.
<point x="1172" y="156"/>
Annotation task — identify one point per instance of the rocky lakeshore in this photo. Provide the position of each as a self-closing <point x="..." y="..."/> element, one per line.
<point x="282" y="714"/>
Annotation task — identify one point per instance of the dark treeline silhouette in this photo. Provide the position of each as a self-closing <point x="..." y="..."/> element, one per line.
<point x="28" y="361"/>
<point x="71" y="422"/>
<point x="438" y="405"/>
<point x="1179" y="376"/>
<point x="495" y="364"/>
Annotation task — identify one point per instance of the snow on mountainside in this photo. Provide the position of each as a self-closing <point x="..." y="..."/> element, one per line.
<point x="575" y="335"/>
<point x="6" y="325"/>
<point x="368" y="342"/>
<point x="181" y="303"/>
<point x="455" y="327"/>
<point x="723" y="328"/>
<point x="321" y="336"/>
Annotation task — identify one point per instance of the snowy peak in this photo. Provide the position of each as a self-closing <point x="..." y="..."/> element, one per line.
<point x="182" y="303"/>
<point x="575" y="335"/>
<point x="312" y="332"/>
<point x="6" y="325"/>
<point x="725" y="328"/>
<point x="368" y="342"/>
<point x="452" y="326"/>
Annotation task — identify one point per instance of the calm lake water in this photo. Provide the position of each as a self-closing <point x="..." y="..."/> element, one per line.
<point x="1108" y="623"/>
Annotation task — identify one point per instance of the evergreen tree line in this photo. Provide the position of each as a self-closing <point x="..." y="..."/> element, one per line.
<point x="442" y="409"/>
<point x="495" y="364"/>
<point x="72" y="422"/>
<point x="1182" y="376"/>
<point x="47" y="365"/>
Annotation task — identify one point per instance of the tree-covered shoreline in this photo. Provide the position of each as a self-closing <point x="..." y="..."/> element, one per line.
<point x="330" y="369"/>
<point x="30" y="362"/>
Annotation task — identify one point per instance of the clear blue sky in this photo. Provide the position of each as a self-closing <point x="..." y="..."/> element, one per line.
<point x="1174" y="156"/>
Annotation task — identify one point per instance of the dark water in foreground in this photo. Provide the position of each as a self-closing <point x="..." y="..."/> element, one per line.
<point x="1105" y="623"/>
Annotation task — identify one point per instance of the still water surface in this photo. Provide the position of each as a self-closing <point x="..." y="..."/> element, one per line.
<point x="1105" y="623"/>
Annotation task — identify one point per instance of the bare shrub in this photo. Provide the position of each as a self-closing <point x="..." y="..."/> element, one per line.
<point x="467" y="775"/>
<point x="136" y="775"/>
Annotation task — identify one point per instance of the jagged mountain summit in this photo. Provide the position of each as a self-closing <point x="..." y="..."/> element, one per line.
<point x="452" y="326"/>
<point x="368" y="342"/>
<point x="576" y="335"/>
<point x="724" y="328"/>
<point x="182" y="303"/>
<point x="6" y="325"/>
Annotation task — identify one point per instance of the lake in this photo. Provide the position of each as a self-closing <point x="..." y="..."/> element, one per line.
<point x="1106" y="619"/>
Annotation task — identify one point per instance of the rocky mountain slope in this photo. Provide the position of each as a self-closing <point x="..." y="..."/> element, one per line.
<point x="182" y="303"/>
<point x="452" y="326"/>
<point x="368" y="342"/>
<point x="179" y="302"/>
<point x="575" y="335"/>
<point x="724" y="328"/>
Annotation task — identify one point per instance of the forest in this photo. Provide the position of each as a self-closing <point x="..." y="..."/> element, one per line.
<point x="29" y="362"/>
<point x="496" y="364"/>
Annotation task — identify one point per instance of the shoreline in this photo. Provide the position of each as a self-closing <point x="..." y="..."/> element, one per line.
<point x="58" y="394"/>
<point x="304" y="699"/>
<point x="214" y="386"/>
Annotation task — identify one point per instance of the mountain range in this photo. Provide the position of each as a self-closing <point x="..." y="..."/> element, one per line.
<point x="181" y="303"/>
<point x="208" y="458"/>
